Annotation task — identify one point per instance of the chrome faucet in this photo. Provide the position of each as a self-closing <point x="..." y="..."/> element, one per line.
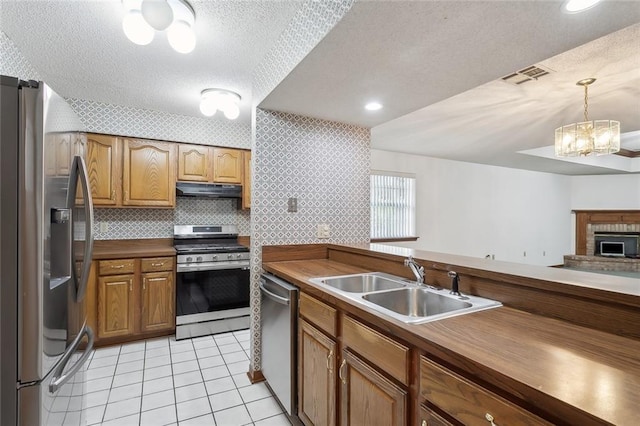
<point x="417" y="270"/>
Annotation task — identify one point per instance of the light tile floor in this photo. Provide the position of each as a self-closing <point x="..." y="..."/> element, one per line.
<point x="162" y="381"/>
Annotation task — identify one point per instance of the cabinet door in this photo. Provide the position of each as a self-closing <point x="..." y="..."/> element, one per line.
<point x="63" y="153"/>
<point x="157" y="301"/>
<point x="316" y="377"/>
<point x="227" y="165"/>
<point x="246" y="181"/>
<point x="115" y="305"/>
<point x="103" y="167"/>
<point x="194" y="163"/>
<point x="367" y="397"/>
<point x="149" y="175"/>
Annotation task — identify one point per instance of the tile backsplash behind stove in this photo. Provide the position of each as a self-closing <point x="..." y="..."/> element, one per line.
<point x="158" y="223"/>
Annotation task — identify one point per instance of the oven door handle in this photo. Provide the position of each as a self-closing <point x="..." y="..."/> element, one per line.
<point x="217" y="266"/>
<point x="273" y="296"/>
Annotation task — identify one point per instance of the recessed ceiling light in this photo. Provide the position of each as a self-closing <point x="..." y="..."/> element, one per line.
<point x="373" y="106"/>
<point x="574" y="6"/>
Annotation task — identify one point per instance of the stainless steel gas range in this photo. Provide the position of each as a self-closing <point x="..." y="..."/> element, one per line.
<point x="212" y="280"/>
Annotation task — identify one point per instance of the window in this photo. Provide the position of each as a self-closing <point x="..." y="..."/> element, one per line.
<point x="393" y="205"/>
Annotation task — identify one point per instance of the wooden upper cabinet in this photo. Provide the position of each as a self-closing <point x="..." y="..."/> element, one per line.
<point x="103" y="158"/>
<point x="79" y="144"/>
<point x="246" y="180"/>
<point x="149" y="175"/>
<point x="194" y="163"/>
<point x="227" y="165"/>
<point x="63" y="153"/>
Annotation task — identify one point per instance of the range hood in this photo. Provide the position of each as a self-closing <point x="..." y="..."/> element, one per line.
<point x="208" y="190"/>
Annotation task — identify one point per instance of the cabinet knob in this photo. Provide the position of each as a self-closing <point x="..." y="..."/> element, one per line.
<point x="117" y="266"/>
<point x="489" y="418"/>
<point x="424" y="423"/>
<point x="329" y="360"/>
<point x="157" y="264"/>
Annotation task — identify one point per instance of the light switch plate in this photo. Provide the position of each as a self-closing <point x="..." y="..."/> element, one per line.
<point x="292" y="205"/>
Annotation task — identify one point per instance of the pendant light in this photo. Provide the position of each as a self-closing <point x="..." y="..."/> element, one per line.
<point x="595" y="137"/>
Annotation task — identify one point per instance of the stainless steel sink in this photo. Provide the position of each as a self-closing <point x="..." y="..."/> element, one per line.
<point x="363" y="283"/>
<point x="416" y="302"/>
<point x="403" y="299"/>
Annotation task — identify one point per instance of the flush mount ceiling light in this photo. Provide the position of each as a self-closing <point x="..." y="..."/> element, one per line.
<point x="575" y="6"/>
<point x="226" y="101"/>
<point x="596" y="137"/>
<point x="144" y="17"/>
<point x="373" y="106"/>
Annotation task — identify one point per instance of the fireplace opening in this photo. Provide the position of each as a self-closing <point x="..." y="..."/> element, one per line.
<point x="621" y="244"/>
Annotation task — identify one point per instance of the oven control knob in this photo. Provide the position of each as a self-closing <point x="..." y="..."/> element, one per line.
<point x="199" y="259"/>
<point x="214" y="257"/>
<point x="189" y="259"/>
<point x="238" y="256"/>
<point x="229" y="256"/>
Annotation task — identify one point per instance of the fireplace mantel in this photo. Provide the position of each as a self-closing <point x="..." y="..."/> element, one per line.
<point x="617" y="220"/>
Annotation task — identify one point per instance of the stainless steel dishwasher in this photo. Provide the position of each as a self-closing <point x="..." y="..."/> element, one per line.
<point x="279" y="311"/>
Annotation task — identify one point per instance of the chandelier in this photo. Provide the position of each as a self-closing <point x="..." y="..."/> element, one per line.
<point x="595" y="137"/>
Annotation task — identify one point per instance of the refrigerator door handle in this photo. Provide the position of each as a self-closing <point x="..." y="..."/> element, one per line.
<point x="58" y="379"/>
<point x="79" y="174"/>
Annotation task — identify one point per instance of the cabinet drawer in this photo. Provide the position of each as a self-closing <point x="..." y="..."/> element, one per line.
<point x="118" y="266"/>
<point x="467" y="402"/>
<point x="429" y="417"/>
<point x="321" y="315"/>
<point x="390" y="356"/>
<point x="154" y="264"/>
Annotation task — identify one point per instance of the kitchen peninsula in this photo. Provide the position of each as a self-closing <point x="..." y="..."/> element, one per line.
<point x="563" y="348"/>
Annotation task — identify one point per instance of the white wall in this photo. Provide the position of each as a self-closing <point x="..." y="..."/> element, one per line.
<point x="605" y="192"/>
<point x="475" y="210"/>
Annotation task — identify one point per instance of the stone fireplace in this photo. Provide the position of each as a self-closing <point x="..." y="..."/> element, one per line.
<point x="592" y="227"/>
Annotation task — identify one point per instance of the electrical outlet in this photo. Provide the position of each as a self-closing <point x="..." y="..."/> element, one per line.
<point x="104" y="227"/>
<point x="324" y="231"/>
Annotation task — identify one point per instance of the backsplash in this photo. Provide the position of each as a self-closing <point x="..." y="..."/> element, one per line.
<point x="158" y="223"/>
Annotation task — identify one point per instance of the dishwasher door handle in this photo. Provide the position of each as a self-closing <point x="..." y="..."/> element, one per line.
<point x="272" y="296"/>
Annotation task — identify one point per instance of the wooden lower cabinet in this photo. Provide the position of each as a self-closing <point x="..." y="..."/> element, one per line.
<point x="384" y="381"/>
<point x="428" y="417"/>
<point x="317" y="377"/>
<point x="367" y="397"/>
<point x="115" y="305"/>
<point x="125" y="302"/>
<point x="157" y="301"/>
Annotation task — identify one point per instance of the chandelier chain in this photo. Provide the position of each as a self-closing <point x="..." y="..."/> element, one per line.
<point x="586" y="104"/>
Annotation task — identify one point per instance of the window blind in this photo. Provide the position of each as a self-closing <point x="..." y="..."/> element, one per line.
<point x="392" y="206"/>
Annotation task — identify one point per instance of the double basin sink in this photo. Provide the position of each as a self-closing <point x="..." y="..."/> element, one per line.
<point x="402" y="299"/>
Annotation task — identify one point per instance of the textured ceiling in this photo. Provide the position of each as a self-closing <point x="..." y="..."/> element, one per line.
<point x="79" y="48"/>
<point x="436" y="67"/>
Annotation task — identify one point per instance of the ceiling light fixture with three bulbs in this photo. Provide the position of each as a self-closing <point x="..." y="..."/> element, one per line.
<point x="226" y="101"/>
<point x="144" y="17"/>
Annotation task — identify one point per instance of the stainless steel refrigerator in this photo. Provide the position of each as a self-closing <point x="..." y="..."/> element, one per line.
<point x="45" y="255"/>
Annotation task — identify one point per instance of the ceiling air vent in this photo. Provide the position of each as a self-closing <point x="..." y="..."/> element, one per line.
<point x="526" y="74"/>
